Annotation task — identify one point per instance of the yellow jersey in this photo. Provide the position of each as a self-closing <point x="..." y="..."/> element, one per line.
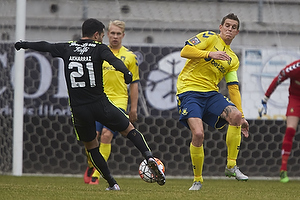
<point x="204" y="74"/>
<point x="113" y="81"/>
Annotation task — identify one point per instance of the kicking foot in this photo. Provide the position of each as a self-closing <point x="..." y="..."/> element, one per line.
<point x="158" y="173"/>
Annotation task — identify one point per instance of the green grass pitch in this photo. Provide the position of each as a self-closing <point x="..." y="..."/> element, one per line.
<point x="61" y="188"/>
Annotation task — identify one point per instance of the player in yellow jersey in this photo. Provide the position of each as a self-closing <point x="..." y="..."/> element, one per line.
<point x="209" y="59"/>
<point x="116" y="89"/>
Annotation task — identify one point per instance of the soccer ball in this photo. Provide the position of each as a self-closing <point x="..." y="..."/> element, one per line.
<point x="146" y="173"/>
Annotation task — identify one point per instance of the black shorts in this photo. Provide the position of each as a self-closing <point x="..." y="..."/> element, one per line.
<point x="103" y="111"/>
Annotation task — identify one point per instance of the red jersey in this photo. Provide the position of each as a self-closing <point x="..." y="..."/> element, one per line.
<point x="291" y="71"/>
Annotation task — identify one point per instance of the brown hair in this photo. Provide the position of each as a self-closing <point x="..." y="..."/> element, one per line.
<point x="233" y="17"/>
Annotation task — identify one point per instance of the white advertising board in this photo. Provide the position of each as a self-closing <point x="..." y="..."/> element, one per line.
<point x="259" y="68"/>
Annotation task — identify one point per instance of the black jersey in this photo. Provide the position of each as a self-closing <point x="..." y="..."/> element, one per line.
<point x="82" y="67"/>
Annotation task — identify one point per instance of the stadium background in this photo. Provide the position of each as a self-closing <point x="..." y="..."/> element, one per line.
<point x="154" y="30"/>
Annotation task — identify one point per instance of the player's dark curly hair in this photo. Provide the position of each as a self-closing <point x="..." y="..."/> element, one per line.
<point x="233" y="17"/>
<point x="91" y="26"/>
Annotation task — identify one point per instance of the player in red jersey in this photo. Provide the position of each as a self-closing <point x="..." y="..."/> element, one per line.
<point x="291" y="71"/>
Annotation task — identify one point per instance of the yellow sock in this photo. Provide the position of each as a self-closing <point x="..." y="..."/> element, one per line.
<point x="90" y="164"/>
<point x="197" y="156"/>
<point x="233" y="141"/>
<point x="105" y="150"/>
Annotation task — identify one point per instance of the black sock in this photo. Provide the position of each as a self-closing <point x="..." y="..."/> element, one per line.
<point x="139" y="141"/>
<point x="101" y="165"/>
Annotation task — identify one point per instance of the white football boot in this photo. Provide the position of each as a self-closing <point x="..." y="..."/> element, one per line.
<point x="235" y="172"/>
<point x="196" y="186"/>
<point x="114" y="187"/>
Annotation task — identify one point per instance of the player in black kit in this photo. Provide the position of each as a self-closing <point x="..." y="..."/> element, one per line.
<point x="83" y="74"/>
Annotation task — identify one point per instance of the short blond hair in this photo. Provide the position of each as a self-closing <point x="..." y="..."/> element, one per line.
<point x="118" y="23"/>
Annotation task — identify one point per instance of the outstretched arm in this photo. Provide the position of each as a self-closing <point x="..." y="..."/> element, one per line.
<point x="276" y="81"/>
<point x="38" y="46"/>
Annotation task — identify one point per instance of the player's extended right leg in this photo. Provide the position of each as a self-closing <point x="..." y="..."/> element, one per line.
<point x="235" y="172"/>
<point x="159" y="174"/>
<point x="139" y="141"/>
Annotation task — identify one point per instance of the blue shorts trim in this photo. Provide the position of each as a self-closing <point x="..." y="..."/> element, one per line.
<point x="207" y="106"/>
<point x="100" y="126"/>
